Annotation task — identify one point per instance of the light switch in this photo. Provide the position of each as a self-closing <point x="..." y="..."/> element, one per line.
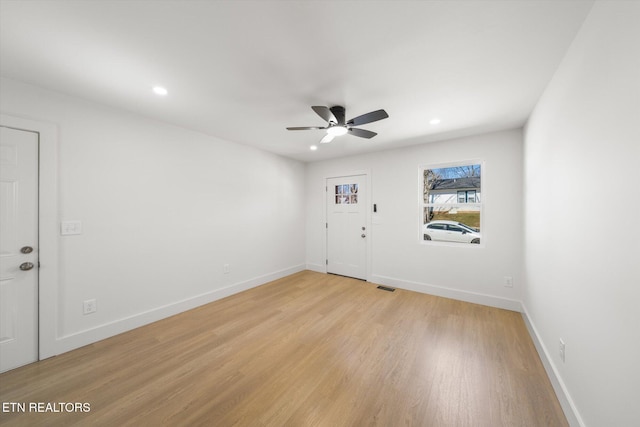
<point x="70" y="228"/>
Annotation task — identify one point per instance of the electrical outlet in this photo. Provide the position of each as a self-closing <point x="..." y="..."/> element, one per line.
<point x="227" y="269"/>
<point x="89" y="306"/>
<point x="508" y="281"/>
<point x="562" y="350"/>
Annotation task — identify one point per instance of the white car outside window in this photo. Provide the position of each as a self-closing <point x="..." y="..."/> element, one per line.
<point x="450" y="231"/>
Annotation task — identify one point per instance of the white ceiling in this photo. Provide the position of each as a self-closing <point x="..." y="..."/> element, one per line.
<point x="245" y="70"/>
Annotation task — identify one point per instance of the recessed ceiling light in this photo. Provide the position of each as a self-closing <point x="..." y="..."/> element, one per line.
<point x="434" y="121"/>
<point x="313" y="147"/>
<point x="159" y="90"/>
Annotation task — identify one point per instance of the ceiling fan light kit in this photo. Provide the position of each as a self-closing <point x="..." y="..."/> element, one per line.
<point x="337" y="126"/>
<point x="336" y="130"/>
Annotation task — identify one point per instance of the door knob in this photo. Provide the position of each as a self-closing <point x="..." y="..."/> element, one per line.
<point x="25" y="266"/>
<point x="363" y="235"/>
<point x="26" y="249"/>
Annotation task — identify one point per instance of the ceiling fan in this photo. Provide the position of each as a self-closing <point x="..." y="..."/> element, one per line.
<point x="338" y="126"/>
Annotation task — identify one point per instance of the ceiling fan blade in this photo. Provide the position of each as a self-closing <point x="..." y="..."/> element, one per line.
<point x="362" y="133"/>
<point x="338" y="113"/>
<point x="327" y="138"/>
<point x="304" y="128"/>
<point x="373" y="116"/>
<point x="325" y="113"/>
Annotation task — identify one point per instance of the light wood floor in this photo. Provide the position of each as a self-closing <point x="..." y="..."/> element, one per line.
<point x="307" y="350"/>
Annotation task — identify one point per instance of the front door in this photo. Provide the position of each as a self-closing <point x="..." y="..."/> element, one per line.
<point x="346" y="226"/>
<point x="18" y="248"/>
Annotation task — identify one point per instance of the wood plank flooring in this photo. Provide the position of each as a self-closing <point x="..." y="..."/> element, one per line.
<point x="307" y="350"/>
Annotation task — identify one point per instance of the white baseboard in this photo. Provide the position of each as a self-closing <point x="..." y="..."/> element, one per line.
<point x="441" y="291"/>
<point x="569" y="408"/>
<point x="89" y="336"/>
<point x="318" y="268"/>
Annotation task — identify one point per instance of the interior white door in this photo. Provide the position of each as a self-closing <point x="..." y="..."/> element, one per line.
<point x="346" y="226"/>
<point x="18" y="248"/>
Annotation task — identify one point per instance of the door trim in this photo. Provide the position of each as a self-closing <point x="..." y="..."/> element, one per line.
<point x="47" y="229"/>
<point x="367" y="197"/>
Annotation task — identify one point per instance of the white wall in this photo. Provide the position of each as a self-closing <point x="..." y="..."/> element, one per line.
<point x="163" y="209"/>
<point x="398" y="259"/>
<point x="582" y="264"/>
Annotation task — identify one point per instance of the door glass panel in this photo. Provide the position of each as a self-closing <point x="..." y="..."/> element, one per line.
<point x="346" y="194"/>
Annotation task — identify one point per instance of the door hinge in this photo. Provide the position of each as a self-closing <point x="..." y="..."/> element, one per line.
<point x="326" y="225"/>
<point x="326" y="262"/>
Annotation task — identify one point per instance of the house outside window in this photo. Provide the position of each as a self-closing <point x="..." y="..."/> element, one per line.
<point x="451" y="203"/>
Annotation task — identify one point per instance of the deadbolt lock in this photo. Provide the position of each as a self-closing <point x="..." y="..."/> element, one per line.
<point x="26" y="249"/>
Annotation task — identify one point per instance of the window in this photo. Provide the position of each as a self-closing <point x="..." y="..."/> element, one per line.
<point x="451" y="203"/>
<point x="467" y="196"/>
<point x="471" y="196"/>
<point x="346" y="194"/>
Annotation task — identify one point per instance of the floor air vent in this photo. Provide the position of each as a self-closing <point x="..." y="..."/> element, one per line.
<point x="384" y="288"/>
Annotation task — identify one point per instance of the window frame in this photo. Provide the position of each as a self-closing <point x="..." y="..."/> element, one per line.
<point x="479" y="203"/>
